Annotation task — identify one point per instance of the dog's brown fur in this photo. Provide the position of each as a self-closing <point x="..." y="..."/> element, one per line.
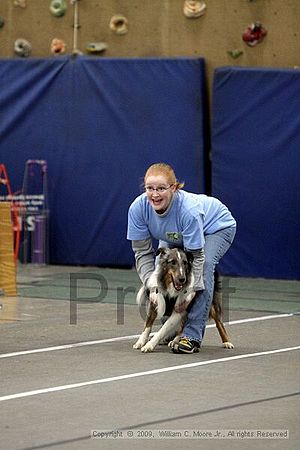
<point x="215" y="312"/>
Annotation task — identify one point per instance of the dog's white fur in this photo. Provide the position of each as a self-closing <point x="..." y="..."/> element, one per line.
<point x="157" y="297"/>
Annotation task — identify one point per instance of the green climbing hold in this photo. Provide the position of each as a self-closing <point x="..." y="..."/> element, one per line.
<point x="58" y="7"/>
<point x="235" y="53"/>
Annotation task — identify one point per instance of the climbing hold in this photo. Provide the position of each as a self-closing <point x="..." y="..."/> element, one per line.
<point x="2" y="22"/>
<point x="119" y="24"/>
<point x="193" y="9"/>
<point x="58" y="7"/>
<point x="235" y="53"/>
<point x="21" y="3"/>
<point x="96" y="47"/>
<point x="254" y="34"/>
<point x="22" y="47"/>
<point x="58" y="46"/>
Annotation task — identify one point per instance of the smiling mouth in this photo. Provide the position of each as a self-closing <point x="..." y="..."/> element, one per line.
<point x="157" y="201"/>
<point x="157" y="204"/>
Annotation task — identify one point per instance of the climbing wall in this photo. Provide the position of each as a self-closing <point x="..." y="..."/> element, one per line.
<point x="153" y="28"/>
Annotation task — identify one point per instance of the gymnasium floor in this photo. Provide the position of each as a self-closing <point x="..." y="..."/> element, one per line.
<point x="68" y="368"/>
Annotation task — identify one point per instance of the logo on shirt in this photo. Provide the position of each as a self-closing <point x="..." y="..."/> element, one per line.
<point x="173" y="236"/>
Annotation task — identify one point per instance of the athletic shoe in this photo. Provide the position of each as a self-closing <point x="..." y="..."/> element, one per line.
<point x="186" y="345"/>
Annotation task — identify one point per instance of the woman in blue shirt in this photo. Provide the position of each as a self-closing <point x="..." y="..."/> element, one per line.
<point x="176" y="218"/>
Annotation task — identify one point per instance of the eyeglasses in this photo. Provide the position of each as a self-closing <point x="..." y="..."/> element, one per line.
<point x="159" y="189"/>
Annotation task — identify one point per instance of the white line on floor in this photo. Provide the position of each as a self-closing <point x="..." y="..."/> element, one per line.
<point x="141" y="374"/>
<point x="122" y="338"/>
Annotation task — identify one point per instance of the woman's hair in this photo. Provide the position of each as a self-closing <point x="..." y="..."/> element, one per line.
<point x="167" y="171"/>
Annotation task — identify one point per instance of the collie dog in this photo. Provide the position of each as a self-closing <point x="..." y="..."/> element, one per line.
<point x="170" y="293"/>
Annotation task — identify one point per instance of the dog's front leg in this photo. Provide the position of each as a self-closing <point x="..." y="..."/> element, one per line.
<point x="142" y="300"/>
<point x="168" y="328"/>
<point x="151" y="316"/>
<point x="143" y="338"/>
<point x="159" y="307"/>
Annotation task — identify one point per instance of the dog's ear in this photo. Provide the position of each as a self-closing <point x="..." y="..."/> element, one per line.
<point x="161" y="251"/>
<point x="190" y="257"/>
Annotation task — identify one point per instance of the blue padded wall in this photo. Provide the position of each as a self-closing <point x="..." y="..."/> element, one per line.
<point x="256" y="168"/>
<point x="99" y="123"/>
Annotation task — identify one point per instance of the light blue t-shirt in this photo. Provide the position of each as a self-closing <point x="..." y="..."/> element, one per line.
<point x="188" y="219"/>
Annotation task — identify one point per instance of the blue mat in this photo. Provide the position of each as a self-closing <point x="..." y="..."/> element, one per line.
<point x="256" y="168"/>
<point x="99" y="123"/>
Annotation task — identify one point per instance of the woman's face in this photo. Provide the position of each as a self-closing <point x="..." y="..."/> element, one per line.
<point x="159" y="192"/>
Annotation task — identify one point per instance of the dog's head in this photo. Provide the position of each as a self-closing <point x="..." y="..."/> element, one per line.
<point x="177" y="265"/>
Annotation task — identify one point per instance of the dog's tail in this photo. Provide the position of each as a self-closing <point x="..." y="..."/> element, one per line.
<point x="141" y="296"/>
